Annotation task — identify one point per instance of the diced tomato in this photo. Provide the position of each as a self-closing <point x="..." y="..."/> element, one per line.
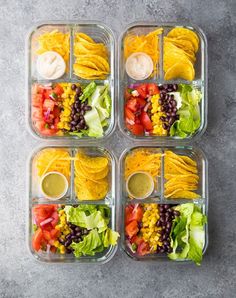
<point x="135" y="214"/>
<point x="37" y="113"/>
<point x="142" y="90"/>
<point x="47" y="227"/>
<point x="48" y="104"/>
<point x="56" y="111"/>
<point x="129" y="114"/>
<point x="132" y="104"/>
<point x="54" y="233"/>
<point x="58" y="90"/>
<point x="37" y="239"/>
<point x="53" y="249"/>
<point x="136" y="129"/>
<point x="143" y="248"/>
<point x="137" y="240"/>
<point x="146" y="121"/>
<point x="132" y="228"/>
<point x="141" y="102"/>
<point x="152" y="89"/>
<point x="127" y="94"/>
<point x="47" y="235"/>
<point x="37" y="100"/>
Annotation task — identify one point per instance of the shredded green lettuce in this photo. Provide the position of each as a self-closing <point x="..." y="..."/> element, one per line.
<point x="187" y="234"/>
<point x="94" y="218"/>
<point x="189" y="112"/>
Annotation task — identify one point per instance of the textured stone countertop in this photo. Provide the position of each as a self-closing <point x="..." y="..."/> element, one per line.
<point x="20" y="274"/>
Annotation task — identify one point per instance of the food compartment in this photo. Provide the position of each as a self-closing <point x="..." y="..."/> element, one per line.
<point x="54" y="38"/>
<point x="94" y="176"/>
<point x="146" y="42"/>
<point x="134" y="165"/>
<point x="60" y="240"/>
<point x="184" y="174"/>
<point x="172" y="105"/>
<point x="72" y="228"/>
<point x="93" y="53"/>
<point x="49" y="161"/>
<point x="154" y="231"/>
<point x="184" y="53"/>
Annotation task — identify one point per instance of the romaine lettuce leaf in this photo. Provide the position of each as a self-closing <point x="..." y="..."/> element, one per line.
<point x="88" y="91"/>
<point x="110" y="238"/>
<point x="93" y="121"/>
<point x="91" y="221"/>
<point x="90" y="245"/>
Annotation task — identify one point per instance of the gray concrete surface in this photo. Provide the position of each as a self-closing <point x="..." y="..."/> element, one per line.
<point x="20" y="275"/>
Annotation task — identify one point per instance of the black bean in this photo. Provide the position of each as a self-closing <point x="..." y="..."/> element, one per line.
<point x="158" y="224"/>
<point x="165" y="86"/>
<point x="73" y="87"/>
<point x="175" y="87"/>
<point x="160" y="101"/>
<point x="166" y="206"/>
<point x="162" y="250"/>
<point x="87" y="108"/>
<point x="73" y="122"/>
<point x="78" y="110"/>
<point x="162" y="219"/>
<point x="82" y="122"/>
<point x="158" y="249"/>
<point x="170" y="89"/>
<point x="173" y="114"/>
<point x="166" y="243"/>
<point x="78" y="126"/>
<point x="174" y="110"/>
<point x="76" y="117"/>
<point x="77" y="240"/>
<point x="77" y="229"/>
<point x="160" y="87"/>
<point x="85" y="231"/>
<point x="176" y="213"/>
<point x="82" y="112"/>
<point x="78" y="90"/>
<point x="168" y="225"/>
<point x="162" y="118"/>
<point x="73" y="237"/>
<point x="174" y="103"/>
<point x="165" y="126"/>
<point x="167" y="231"/>
<point x="86" y="127"/>
<point x="161" y="208"/>
<point x="67" y="243"/>
<point x="61" y="241"/>
<point x="169" y="250"/>
<point x="69" y="250"/>
<point x="171" y="120"/>
<point x="170" y="106"/>
<point x="166" y="96"/>
<point x="162" y="109"/>
<point x="162" y="95"/>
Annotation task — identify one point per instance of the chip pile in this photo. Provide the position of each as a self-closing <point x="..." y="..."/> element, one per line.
<point x="180" y="48"/>
<point x="91" y="177"/>
<point x="91" y="58"/>
<point x="181" y="175"/>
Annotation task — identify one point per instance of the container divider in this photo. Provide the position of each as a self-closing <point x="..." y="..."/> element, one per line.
<point x="71" y="51"/>
<point x="72" y="178"/>
<point x="162" y="174"/>
<point x="161" y="58"/>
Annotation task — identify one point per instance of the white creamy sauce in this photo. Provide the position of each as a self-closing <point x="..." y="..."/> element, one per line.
<point x="50" y="65"/>
<point x="139" y="66"/>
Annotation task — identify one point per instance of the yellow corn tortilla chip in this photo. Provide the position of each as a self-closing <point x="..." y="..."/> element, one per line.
<point x="97" y="162"/>
<point x="94" y="191"/>
<point x="184" y="194"/>
<point x="188" y="168"/>
<point x="84" y="36"/>
<point x="80" y="170"/>
<point x="181" y="158"/>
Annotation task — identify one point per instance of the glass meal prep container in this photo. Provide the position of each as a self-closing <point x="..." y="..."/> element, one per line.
<point x="47" y="159"/>
<point x="198" y="61"/>
<point x="90" y="33"/>
<point x="159" y="197"/>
